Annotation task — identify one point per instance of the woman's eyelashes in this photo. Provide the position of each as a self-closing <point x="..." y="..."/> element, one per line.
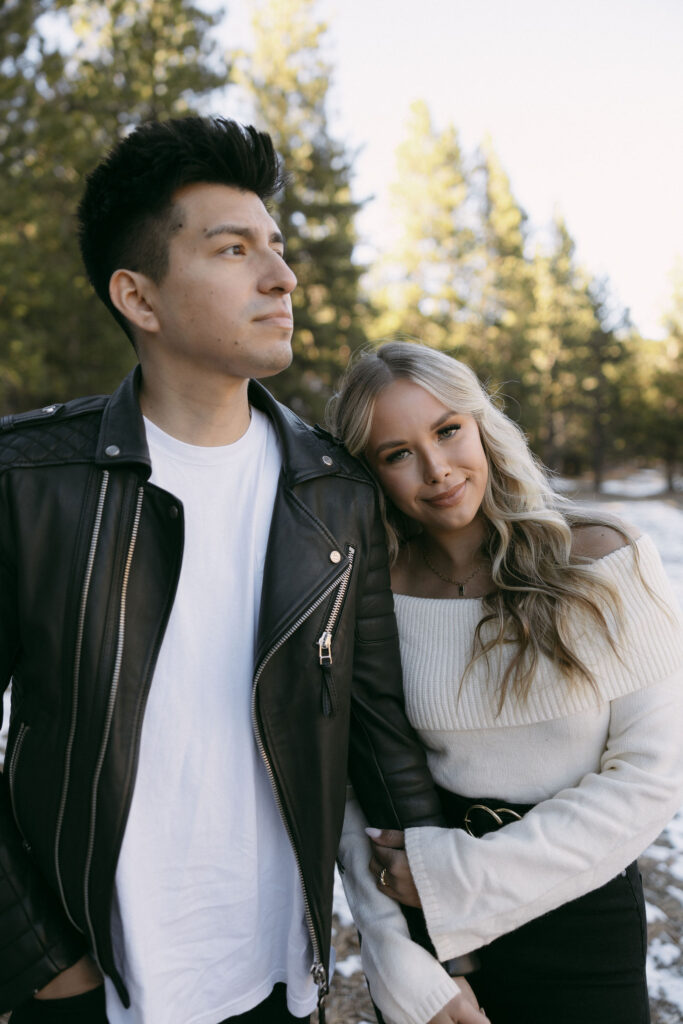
<point x="449" y="431"/>
<point x="443" y="433"/>
<point x="397" y="456"/>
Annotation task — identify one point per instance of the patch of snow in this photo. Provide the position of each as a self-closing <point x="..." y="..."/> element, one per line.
<point x="653" y="913"/>
<point x="661" y="853"/>
<point x="674" y="832"/>
<point x="676" y="868"/>
<point x="339" y="905"/>
<point x="644" y="483"/>
<point x="664" y="952"/>
<point x="664" y="984"/>
<point x="675" y="892"/>
<point x="351" y="965"/>
<point x="562" y="485"/>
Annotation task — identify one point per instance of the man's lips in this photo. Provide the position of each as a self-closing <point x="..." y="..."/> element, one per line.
<point x="450" y="497"/>
<point x="277" y="319"/>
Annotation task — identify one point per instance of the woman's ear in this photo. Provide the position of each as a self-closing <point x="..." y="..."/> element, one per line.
<point x="132" y="294"/>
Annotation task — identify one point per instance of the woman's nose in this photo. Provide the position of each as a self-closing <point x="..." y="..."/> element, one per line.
<point x="436" y="468"/>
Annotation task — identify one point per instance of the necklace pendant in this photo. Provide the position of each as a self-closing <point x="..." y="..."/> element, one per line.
<point x="461" y="590"/>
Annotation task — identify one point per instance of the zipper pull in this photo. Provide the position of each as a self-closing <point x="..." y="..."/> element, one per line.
<point x="329" y="696"/>
<point x="325" y="649"/>
<point x="320" y="978"/>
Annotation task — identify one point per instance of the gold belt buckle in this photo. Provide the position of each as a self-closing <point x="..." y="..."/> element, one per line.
<point x="496" y="815"/>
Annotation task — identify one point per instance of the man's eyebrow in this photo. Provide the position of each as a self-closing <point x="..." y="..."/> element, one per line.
<point x="241" y="232"/>
<point x="397" y="444"/>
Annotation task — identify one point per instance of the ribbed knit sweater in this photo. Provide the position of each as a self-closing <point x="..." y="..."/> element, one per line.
<point x="603" y="765"/>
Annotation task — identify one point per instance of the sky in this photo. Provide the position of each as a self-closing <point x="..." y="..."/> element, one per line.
<point x="582" y="101"/>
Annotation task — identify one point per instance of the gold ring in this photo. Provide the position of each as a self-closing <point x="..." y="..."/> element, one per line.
<point x="383" y="877"/>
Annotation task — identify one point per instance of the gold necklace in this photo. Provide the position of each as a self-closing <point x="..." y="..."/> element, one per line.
<point x="460" y="584"/>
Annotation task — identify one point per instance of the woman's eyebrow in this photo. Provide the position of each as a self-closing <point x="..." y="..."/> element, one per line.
<point x="442" y="419"/>
<point x="396" y="444"/>
<point x="388" y="444"/>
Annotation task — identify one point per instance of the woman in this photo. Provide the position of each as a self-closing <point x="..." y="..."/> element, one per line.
<point x="543" y="660"/>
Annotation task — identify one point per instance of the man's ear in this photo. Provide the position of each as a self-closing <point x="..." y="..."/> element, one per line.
<point x="131" y="293"/>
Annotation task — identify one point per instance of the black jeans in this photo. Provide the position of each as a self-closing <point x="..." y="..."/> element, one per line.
<point x="583" y="963"/>
<point x="90" y="1009"/>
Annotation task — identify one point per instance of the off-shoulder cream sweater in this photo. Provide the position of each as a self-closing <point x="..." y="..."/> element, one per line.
<point x="604" y="767"/>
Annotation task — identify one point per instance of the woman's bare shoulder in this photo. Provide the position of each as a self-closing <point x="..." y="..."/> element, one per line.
<point x="595" y="540"/>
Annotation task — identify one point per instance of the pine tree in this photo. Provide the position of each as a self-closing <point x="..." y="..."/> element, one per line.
<point x="560" y="328"/>
<point x="287" y="78"/>
<point x="423" y="286"/>
<point x="457" y="277"/>
<point x="502" y="303"/>
<point x="126" y="62"/>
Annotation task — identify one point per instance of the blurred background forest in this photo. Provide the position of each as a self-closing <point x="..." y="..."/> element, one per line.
<point x="464" y="272"/>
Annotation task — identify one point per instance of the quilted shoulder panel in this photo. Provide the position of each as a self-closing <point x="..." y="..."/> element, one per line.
<point x="52" y="435"/>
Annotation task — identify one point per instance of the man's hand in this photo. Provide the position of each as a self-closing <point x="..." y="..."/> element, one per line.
<point x="74" y="981"/>
<point x="388" y="855"/>
<point x="462" y="1009"/>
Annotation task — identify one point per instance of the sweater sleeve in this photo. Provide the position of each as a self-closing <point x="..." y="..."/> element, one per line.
<point x="476" y="889"/>
<point x="405" y="981"/>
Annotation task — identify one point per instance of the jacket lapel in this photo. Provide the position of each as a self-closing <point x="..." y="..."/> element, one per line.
<point x="303" y="557"/>
<point x="302" y="561"/>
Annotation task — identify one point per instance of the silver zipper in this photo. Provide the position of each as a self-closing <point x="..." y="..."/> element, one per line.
<point x="318" y="969"/>
<point x="325" y="641"/>
<point x="113" y="690"/>
<point x="11" y="771"/>
<point x="77" y="672"/>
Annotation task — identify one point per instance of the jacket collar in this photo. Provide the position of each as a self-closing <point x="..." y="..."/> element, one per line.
<point x="305" y="452"/>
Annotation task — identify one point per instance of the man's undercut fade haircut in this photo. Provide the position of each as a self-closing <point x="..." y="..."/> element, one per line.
<point x="127" y="215"/>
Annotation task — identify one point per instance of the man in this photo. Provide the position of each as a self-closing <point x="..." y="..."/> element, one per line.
<point x="198" y="625"/>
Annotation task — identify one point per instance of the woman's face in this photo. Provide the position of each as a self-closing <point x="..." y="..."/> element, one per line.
<point x="428" y="458"/>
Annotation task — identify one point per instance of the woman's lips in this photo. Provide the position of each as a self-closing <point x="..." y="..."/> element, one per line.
<point x="446" y="498"/>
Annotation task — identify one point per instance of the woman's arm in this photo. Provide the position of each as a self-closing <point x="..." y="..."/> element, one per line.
<point x="406" y="982"/>
<point x="474" y="890"/>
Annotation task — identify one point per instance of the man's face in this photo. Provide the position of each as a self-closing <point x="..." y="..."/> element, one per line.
<point x="224" y="305"/>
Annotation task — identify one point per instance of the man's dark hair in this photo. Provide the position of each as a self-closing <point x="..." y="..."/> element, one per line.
<point x="127" y="216"/>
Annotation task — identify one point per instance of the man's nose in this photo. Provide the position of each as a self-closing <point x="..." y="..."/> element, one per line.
<point x="277" y="275"/>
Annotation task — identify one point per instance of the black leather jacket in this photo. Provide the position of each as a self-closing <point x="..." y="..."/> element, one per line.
<point x="90" y="554"/>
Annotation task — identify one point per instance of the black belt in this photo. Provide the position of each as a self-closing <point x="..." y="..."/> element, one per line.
<point x="481" y="815"/>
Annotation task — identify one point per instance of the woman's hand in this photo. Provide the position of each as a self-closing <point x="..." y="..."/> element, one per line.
<point x="389" y="856"/>
<point x="462" y="1009"/>
<point x="390" y="864"/>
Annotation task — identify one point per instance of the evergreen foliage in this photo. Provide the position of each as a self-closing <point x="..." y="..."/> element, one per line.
<point x="287" y="78"/>
<point x="461" y="274"/>
<point x="125" y="61"/>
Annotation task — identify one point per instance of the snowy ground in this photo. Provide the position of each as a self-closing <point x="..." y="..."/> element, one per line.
<point x="662" y="864"/>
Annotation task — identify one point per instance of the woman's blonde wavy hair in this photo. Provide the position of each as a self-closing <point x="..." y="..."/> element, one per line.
<point x="539" y="581"/>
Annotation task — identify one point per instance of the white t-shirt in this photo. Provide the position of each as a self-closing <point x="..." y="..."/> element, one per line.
<point x="209" y="911"/>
